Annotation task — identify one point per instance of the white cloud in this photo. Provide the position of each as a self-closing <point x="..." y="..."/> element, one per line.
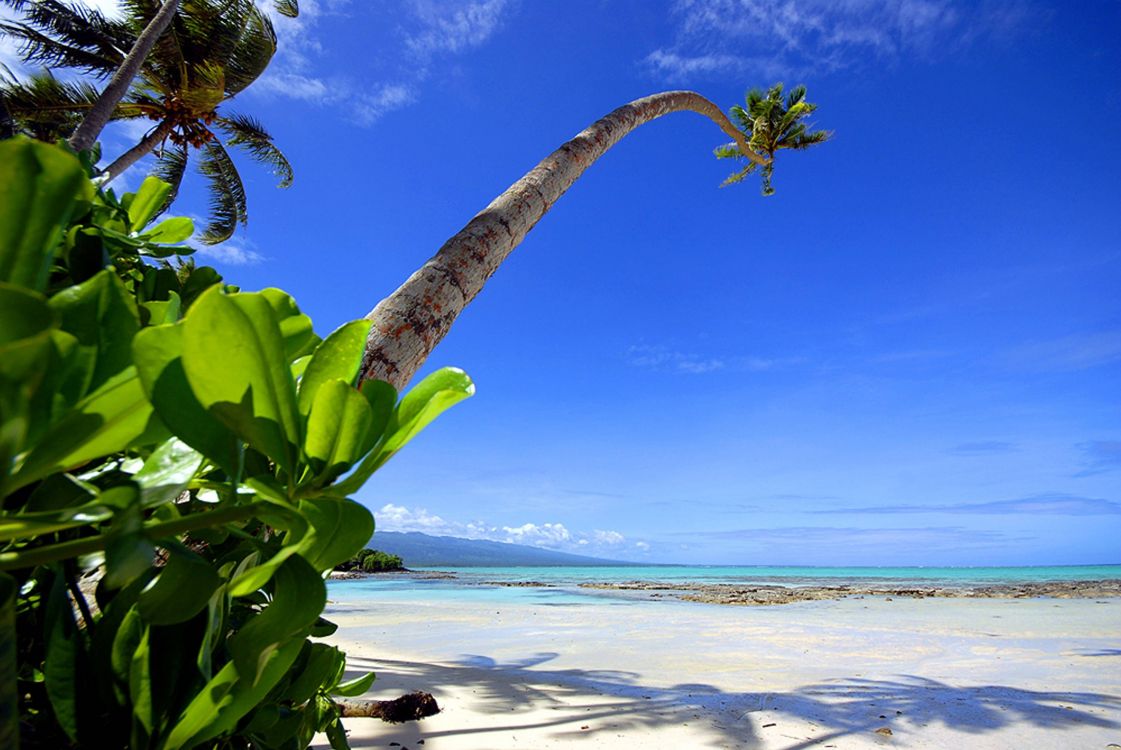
<point x="548" y="535"/>
<point x="664" y="359"/>
<point x="236" y="251"/>
<point x="368" y="109"/>
<point x="770" y="38"/>
<point x="430" y="30"/>
<point x="453" y="26"/>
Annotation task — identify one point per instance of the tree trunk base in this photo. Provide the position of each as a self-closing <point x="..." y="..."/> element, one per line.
<point x="410" y="707"/>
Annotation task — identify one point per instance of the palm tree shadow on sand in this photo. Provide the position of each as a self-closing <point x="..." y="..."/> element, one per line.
<point x="581" y="703"/>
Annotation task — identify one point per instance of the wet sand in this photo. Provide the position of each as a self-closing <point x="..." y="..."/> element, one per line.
<point x="607" y="672"/>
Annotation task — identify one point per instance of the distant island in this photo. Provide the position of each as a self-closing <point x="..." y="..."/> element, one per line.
<point x="422" y="550"/>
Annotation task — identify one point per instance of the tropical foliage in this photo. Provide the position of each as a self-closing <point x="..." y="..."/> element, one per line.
<point x="212" y="51"/>
<point x="372" y="561"/>
<point x="771" y="123"/>
<point x="195" y="444"/>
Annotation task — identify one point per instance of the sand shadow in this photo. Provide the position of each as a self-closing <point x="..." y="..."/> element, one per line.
<point x="581" y="704"/>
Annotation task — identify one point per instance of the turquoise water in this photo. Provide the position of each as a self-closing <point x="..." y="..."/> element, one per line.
<point x="560" y="585"/>
<point x="790" y="576"/>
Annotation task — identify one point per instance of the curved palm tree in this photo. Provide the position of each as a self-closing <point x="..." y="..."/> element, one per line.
<point x="408" y="324"/>
<point x="771" y="123"/>
<point x="211" y="51"/>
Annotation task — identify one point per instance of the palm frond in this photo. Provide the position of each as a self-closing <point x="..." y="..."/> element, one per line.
<point x="170" y="167"/>
<point x="739" y="176"/>
<point x="290" y="8"/>
<point x="252" y="54"/>
<point x="45" y="107"/>
<point x="728" y="151"/>
<point x="227" y="194"/>
<point x="68" y="35"/>
<point x="250" y="134"/>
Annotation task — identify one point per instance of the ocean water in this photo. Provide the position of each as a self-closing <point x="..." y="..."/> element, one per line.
<point x="561" y="585"/>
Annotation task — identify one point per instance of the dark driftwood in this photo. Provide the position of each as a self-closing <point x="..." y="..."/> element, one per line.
<point x="411" y="707"/>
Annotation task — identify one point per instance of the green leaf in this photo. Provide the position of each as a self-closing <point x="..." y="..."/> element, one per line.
<point x="166" y="472"/>
<point x="140" y="682"/>
<point x="354" y="687"/>
<point x="115" y="417"/>
<point x="39" y="186"/>
<point x="23" y="314"/>
<point x="339" y="429"/>
<point x="251" y="391"/>
<point x="162" y="312"/>
<point x="102" y="316"/>
<point x="338" y="529"/>
<point x="157" y="352"/>
<point x="338" y="357"/>
<point x="170" y="231"/>
<point x="147" y="202"/>
<point x="299" y="595"/>
<point x="226" y="698"/>
<point x="320" y="666"/>
<point x="427" y="400"/>
<point x="295" y="327"/>
<point x="128" y="553"/>
<point x="183" y="587"/>
<point x="60" y="668"/>
<point x="9" y="719"/>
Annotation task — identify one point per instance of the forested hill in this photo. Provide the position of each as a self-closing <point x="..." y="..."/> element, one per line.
<point x="418" y="550"/>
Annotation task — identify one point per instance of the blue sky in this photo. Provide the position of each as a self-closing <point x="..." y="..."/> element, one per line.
<point x="911" y="354"/>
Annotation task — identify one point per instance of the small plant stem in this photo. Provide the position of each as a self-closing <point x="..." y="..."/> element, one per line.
<point x="78" y="547"/>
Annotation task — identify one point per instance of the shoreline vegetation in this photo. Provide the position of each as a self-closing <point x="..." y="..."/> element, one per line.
<point x="770" y="594"/>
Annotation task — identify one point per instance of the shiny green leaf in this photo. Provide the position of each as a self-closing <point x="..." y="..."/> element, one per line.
<point x="299" y="595"/>
<point x="426" y="401"/>
<point x="170" y="231"/>
<point x="234" y="359"/>
<point x="295" y="327"/>
<point x="157" y="352"/>
<point x="140" y="682"/>
<point x="102" y="316"/>
<point x="338" y="357"/>
<point x="339" y="429"/>
<point x="147" y="201"/>
<point x="39" y="187"/>
<point x="354" y="687"/>
<point x="60" y="669"/>
<point x="338" y="529"/>
<point x="183" y="587"/>
<point x="166" y="472"/>
<point x="115" y="417"/>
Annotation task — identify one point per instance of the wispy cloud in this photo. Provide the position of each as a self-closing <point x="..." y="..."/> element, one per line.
<point x="1078" y="351"/>
<point x="1099" y="456"/>
<point x="237" y="251"/>
<point x="1049" y="504"/>
<point x="984" y="448"/>
<point x="924" y="536"/>
<point x="548" y="535"/>
<point x="430" y="31"/>
<point x="772" y="38"/>
<point x="662" y="358"/>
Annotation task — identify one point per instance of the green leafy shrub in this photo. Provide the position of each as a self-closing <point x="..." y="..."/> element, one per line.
<point x="195" y="443"/>
<point x="372" y="561"/>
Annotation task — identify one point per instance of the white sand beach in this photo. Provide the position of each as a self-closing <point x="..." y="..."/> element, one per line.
<point x="853" y="673"/>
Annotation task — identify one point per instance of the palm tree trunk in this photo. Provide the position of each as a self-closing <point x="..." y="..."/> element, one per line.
<point x="408" y="324"/>
<point x="85" y="135"/>
<point x="146" y="145"/>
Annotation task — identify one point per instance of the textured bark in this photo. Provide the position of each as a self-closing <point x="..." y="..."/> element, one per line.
<point x="411" y="707"/>
<point x="87" y="132"/>
<point x="146" y="145"/>
<point x="408" y="324"/>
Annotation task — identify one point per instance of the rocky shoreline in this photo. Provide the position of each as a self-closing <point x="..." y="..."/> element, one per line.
<point x="757" y="595"/>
